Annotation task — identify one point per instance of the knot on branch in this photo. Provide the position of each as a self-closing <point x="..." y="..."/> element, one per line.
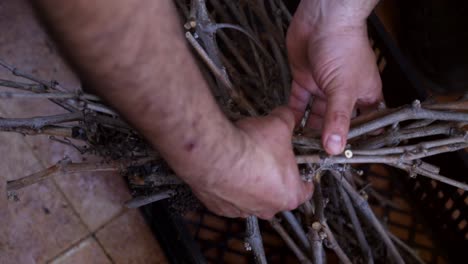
<point x="416" y="105"/>
<point x="62" y="164"/>
<point x="364" y="194"/>
<point x="412" y="171"/>
<point x="191" y="24"/>
<point x="309" y="171"/>
<point x="247" y="246"/>
<point x="317" y="226"/>
<point x="12" y="196"/>
<point x="348" y="153"/>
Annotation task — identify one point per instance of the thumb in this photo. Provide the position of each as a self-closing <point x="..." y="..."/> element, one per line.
<point x="340" y="106"/>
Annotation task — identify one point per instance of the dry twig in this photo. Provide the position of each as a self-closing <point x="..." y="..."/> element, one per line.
<point x="253" y="240"/>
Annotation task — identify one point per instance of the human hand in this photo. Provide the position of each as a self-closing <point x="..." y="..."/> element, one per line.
<point x="331" y="59"/>
<point x="259" y="176"/>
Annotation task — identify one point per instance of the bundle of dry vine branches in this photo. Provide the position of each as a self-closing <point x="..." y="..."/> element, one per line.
<point x="242" y="47"/>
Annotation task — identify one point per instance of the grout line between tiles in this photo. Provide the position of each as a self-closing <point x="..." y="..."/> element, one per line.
<point x="121" y="213"/>
<point x="80" y="245"/>
<point x="88" y="228"/>
<point x="81" y="220"/>
<point x="117" y="215"/>
<point x="71" y="206"/>
<point x="66" y="198"/>
<point x="73" y="245"/>
<point x="90" y="235"/>
<point x="54" y="182"/>
<point x="44" y="166"/>
<point x="101" y="246"/>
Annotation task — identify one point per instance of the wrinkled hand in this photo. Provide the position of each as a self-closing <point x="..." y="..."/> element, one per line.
<point x="262" y="177"/>
<point x="331" y="59"/>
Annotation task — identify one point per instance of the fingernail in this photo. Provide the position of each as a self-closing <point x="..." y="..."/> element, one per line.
<point x="334" y="144"/>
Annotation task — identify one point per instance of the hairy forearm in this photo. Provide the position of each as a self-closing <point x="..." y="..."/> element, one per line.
<point x="133" y="54"/>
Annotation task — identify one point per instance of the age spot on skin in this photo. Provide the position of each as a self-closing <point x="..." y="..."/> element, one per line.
<point x="189" y="146"/>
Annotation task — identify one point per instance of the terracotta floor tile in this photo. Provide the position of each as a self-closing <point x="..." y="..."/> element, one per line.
<point x="97" y="197"/>
<point x="127" y="239"/>
<point x="41" y="224"/>
<point x="26" y="45"/>
<point x="50" y="151"/>
<point x="86" y="252"/>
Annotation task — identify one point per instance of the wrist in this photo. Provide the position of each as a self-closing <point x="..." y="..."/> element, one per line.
<point x="329" y="15"/>
<point x="206" y="154"/>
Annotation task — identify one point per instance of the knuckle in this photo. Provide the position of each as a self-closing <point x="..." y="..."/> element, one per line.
<point x="292" y="203"/>
<point x="281" y="122"/>
<point x="231" y="214"/>
<point x="225" y="212"/>
<point x="340" y="116"/>
<point x="299" y="95"/>
<point x="243" y="215"/>
<point x="370" y="99"/>
<point x="220" y="213"/>
<point x="284" y="117"/>
<point x="266" y="215"/>
<point x="213" y="209"/>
